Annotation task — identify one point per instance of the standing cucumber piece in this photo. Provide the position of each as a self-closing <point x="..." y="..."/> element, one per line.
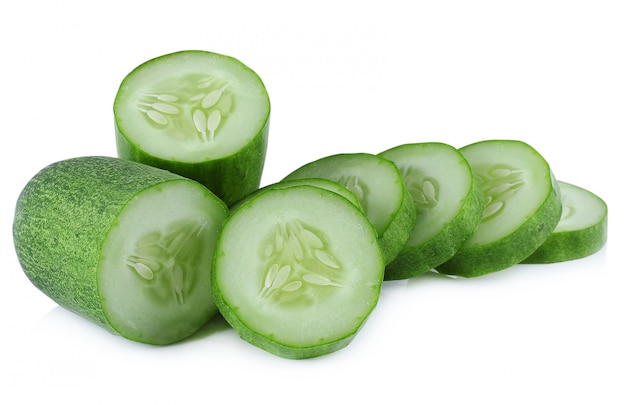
<point x="380" y="189"/>
<point x="126" y="245"/>
<point x="297" y="271"/>
<point x="202" y="115"/>
<point x="449" y="203"/>
<point x="522" y="207"/>
<point x="581" y="231"/>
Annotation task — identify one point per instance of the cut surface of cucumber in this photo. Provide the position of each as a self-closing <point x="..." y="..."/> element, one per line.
<point x="522" y="207"/>
<point x="581" y="231"/>
<point x="126" y="245"/>
<point x="297" y="271"/>
<point x="199" y="114"/>
<point x="380" y="189"/>
<point x="448" y="200"/>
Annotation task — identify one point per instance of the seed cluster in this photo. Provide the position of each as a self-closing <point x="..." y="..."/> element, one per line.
<point x="297" y="261"/>
<point x="190" y="107"/>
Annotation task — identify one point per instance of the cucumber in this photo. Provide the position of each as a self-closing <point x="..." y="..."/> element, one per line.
<point x="199" y="114"/>
<point x="449" y="203"/>
<point x="522" y="207"/>
<point x="380" y="189"/>
<point x="297" y="271"/>
<point x="123" y="244"/>
<point x="316" y="182"/>
<point x="581" y="231"/>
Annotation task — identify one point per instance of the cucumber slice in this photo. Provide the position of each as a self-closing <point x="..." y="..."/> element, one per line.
<point x="380" y="189"/>
<point x="449" y="203"/>
<point x="316" y="182"/>
<point x="126" y="245"/>
<point x="522" y="207"/>
<point x="199" y="114"/>
<point x="581" y="231"/>
<point x="297" y="271"/>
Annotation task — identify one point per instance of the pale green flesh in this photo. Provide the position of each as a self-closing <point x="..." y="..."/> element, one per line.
<point x="516" y="181"/>
<point x="155" y="273"/>
<point x="375" y="181"/>
<point x="439" y="181"/>
<point x="191" y="106"/>
<point x="581" y="208"/>
<point x="298" y="268"/>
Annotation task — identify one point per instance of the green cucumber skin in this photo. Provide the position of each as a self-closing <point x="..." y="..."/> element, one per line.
<point x="398" y="228"/>
<point x="558" y="247"/>
<point x="504" y="253"/>
<point x="230" y="178"/>
<point x="61" y="221"/>
<point x="442" y="246"/>
<point x="564" y="246"/>
<point x="262" y="342"/>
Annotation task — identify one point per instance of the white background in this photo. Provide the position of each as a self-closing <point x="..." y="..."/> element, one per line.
<point x="343" y="76"/>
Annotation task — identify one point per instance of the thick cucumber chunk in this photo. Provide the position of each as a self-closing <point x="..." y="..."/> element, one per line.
<point x="199" y="114"/>
<point x="380" y="189"/>
<point x="581" y="231"/>
<point x="522" y="207"/>
<point x="297" y="271"/>
<point x="126" y="245"/>
<point x="449" y="203"/>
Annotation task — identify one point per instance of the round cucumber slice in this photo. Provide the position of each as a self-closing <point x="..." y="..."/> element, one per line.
<point x="522" y="207"/>
<point x="449" y="203"/>
<point x="581" y="231"/>
<point x="297" y="271"/>
<point x="199" y="114"/>
<point x="126" y="245"/>
<point x="380" y="189"/>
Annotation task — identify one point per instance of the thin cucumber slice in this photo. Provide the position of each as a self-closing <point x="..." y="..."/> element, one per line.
<point x="380" y="189"/>
<point x="297" y="271"/>
<point x="329" y="185"/>
<point x="581" y="231"/>
<point x="126" y="245"/>
<point x="199" y="114"/>
<point x="449" y="203"/>
<point x="522" y="207"/>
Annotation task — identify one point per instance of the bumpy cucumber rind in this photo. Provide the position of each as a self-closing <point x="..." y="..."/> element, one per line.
<point x="50" y="259"/>
<point x="62" y="219"/>
<point x="443" y="246"/>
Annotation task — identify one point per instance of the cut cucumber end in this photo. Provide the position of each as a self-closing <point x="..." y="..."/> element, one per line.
<point x="297" y="271"/>
<point x="581" y="231"/>
<point x="125" y="245"/>
<point x="199" y="114"/>
<point x="155" y="274"/>
<point x="380" y="189"/>
<point x="448" y="200"/>
<point x="522" y="207"/>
